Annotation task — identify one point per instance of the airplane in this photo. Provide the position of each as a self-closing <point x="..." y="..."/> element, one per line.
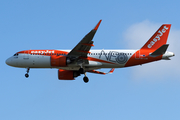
<point x="81" y="59"/>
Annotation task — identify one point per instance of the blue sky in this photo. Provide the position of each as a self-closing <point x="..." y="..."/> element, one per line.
<point x="148" y="92"/>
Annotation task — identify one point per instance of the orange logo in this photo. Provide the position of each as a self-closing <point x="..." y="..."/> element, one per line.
<point x="41" y="52"/>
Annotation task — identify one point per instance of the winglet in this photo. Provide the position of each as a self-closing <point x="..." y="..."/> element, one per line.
<point x="97" y="25"/>
<point x="111" y="71"/>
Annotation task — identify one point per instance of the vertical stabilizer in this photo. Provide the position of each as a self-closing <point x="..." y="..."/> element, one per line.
<point x="159" y="38"/>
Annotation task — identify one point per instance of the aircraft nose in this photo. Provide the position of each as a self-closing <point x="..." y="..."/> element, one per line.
<point x="8" y="61"/>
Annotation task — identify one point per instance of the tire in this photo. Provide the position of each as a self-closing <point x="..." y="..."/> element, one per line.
<point x="26" y="75"/>
<point x="86" y="79"/>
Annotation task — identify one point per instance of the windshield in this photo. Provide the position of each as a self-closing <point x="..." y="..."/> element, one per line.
<point x="16" y="54"/>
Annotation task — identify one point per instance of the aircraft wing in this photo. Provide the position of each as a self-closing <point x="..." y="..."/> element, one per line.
<point x="83" y="47"/>
<point x="99" y="72"/>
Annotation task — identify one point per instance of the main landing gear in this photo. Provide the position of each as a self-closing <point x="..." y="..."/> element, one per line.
<point x="27" y="75"/>
<point x="82" y="71"/>
<point x="86" y="79"/>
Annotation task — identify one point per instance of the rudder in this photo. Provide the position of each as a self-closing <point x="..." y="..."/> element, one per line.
<point x="159" y="38"/>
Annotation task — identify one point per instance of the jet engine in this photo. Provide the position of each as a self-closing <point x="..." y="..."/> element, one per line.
<point x="59" y="61"/>
<point x="67" y="74"/>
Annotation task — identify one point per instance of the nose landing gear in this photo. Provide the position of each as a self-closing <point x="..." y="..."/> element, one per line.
<point x="27" y="75"/>
<point x="86" y="79"/>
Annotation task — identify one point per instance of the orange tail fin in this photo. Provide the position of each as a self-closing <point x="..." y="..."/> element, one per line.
<point x="159" y="38"/>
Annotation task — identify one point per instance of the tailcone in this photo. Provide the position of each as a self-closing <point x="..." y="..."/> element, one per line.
<point x="167" y="55"/>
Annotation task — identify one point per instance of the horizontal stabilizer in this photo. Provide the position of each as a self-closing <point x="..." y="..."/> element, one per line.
<point x="98" y="72"/>
<point x="166" y="58"/>
<point x="160" y="51"/>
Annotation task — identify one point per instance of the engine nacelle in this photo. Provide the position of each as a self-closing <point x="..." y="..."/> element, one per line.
<point x="58" y="61"/>
<point x="67" y="74"/>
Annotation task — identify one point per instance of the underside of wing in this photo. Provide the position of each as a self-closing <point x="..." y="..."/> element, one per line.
<point x="103" y="73"/>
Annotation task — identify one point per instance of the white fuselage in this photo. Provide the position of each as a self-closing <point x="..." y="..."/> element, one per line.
<point x="110" y="58"/>
<point x="99" y="59"/>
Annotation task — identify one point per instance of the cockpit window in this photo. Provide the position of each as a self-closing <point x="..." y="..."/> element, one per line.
<point x="16" y="54"/>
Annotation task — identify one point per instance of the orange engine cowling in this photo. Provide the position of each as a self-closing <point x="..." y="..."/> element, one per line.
<point x="67" y="74"/>
<point x="58" y="61"/>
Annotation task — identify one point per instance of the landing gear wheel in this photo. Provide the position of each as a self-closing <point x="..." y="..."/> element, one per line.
<point x="26" y="75"/>
<point x="86" y="79"/>
<point x="81" y="70"/>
